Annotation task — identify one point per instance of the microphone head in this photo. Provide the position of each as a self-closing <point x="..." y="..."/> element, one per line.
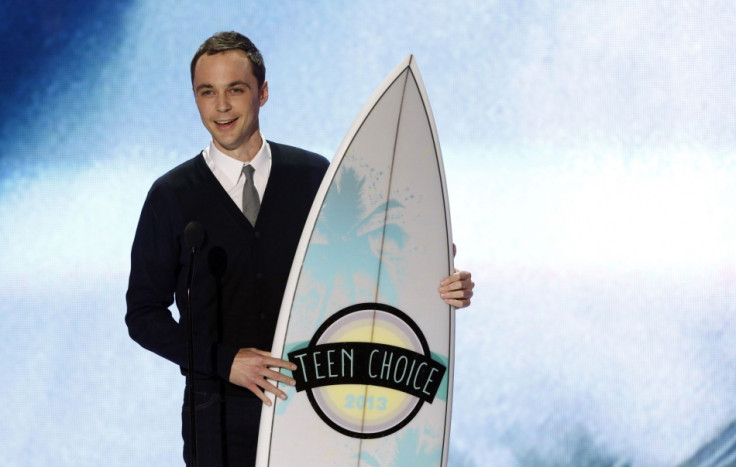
<point x="194" y="234"/>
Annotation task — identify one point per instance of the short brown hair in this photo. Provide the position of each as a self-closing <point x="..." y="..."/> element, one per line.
<point x="231" y="40"/>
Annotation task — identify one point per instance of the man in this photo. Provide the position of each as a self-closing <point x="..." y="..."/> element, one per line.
<point x="253" y="221"/>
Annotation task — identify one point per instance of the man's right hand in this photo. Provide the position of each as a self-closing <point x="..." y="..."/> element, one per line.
<point x="252" y="369"/>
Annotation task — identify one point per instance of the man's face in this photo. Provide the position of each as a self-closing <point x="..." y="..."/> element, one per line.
<point x="228" y="100"/>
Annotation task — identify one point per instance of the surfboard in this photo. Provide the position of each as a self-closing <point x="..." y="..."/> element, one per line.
<point x="361" y="316"/>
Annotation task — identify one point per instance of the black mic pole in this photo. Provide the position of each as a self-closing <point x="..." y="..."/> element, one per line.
<point x="194" y="237"/>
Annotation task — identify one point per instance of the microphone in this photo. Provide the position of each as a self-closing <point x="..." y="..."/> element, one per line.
<point x="194" y="238"/>
<point x="194" y="235"/>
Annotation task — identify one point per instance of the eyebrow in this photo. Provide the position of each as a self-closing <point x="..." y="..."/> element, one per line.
<point x="209" y="86"/>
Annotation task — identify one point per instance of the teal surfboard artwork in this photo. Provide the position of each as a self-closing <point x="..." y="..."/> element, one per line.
<point x="361" y="317"/>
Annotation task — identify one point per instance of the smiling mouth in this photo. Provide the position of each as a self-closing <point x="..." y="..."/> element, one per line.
<point x="224" y="122"/>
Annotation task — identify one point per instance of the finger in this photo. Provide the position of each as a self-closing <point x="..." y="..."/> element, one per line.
<point x="280" y="377"/>
<point x="278" y="363"/>
<point x="269" y="387"/>
<point x="448" y="283"/>
<point x="466" y="285"/>
<point x="463" y="275"/>
<point x="448" y="279"/>
<point x="261" y="386"/>
<point x="270" y="360"/>
<point x="459" y="298"/>
<point x="458" y="303"/>
<point x="260" y="394"/>
<point x="457" y="295"/>
<point x="455" y="277"/>
<point x="454" y="285"/>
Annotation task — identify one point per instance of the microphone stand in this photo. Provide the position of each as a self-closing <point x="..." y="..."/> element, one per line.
<point x="190" y="341"/>
<point x="194" y="236"/>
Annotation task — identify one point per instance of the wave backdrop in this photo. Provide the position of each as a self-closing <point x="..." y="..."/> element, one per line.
<point x="590" y="151"/>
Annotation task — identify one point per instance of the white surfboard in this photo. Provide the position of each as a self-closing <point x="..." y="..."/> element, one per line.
<point x="361" y="316"/>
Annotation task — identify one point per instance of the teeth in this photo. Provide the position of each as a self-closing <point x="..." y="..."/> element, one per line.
<point x="224" y="122"/>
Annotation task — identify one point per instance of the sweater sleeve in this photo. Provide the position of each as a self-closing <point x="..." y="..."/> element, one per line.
<point x="156" y="270"/>
<point x="152" y="283"/>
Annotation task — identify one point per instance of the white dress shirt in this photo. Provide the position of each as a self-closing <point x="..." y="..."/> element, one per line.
<point x="229" y="171"/>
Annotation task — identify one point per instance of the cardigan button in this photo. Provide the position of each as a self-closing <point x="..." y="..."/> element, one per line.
<point x="257" y="235"/>
<point x="259" y="275"/>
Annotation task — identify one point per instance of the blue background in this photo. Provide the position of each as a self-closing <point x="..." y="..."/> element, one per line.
<point x="590" y="151"/>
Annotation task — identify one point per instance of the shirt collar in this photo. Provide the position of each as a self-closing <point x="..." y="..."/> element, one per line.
<point x="230" y="170"/>
<point x="261" y="163"/>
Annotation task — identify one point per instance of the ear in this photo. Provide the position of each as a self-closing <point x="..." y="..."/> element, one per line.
<point x="263" y="93"/>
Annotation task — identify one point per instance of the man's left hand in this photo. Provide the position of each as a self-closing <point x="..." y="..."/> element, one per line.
<point x="457" y="289"/>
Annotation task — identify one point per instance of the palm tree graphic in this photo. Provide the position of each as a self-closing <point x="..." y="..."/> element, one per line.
<point x="354" y="247"/>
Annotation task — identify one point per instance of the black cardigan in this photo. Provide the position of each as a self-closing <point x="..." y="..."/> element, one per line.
<point x="240" y="273"/>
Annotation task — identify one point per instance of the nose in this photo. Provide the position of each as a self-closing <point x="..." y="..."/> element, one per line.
<point x="223" y="104"/>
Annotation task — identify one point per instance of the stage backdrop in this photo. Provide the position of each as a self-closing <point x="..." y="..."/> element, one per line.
<point x="590" y="150"/>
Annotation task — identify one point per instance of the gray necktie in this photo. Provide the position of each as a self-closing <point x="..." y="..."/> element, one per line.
<point x="251" y="202"/>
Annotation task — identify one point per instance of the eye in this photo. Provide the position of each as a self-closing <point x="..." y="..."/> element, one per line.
<point x="206" y="92"/>
<point x="237" y="90"/>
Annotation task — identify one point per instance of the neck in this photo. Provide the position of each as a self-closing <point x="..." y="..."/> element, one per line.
<point x="246" y="152"/>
